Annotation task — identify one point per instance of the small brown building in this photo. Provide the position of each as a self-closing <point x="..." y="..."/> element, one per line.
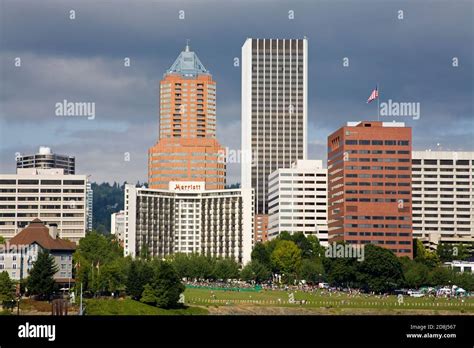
<point x="22" y="251"/>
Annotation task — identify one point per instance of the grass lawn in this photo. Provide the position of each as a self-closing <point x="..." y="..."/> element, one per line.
<point x="277" y="298"/>
<point x="130" y="307"/>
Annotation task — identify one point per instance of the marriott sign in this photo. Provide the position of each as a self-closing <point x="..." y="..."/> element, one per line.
<point x="187" y="186"/>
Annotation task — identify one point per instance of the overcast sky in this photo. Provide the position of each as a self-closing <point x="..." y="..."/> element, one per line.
<point x="82" y="60"/>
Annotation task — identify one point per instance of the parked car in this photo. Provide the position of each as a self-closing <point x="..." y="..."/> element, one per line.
<point x="323" y="285"/>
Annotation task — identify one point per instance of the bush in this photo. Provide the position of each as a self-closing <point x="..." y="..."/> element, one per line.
<point x="165" y="287"/>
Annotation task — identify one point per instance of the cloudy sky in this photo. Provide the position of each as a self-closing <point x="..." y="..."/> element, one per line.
<point x="82" y="60"/>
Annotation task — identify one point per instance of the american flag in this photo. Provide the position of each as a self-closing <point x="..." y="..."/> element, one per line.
<point x="374" y="95"/>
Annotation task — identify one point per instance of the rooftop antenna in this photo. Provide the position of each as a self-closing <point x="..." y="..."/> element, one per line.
<point x="187" y="45"/>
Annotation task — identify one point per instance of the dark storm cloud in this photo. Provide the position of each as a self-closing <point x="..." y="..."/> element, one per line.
<point x="82" y="60"/>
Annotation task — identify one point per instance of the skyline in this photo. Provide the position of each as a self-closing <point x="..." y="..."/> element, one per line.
<point x="411" y="62"/>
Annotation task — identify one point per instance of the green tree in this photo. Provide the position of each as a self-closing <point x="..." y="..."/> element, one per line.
<point x="415" y="274"/>
<point x="261" y="254"/>
<point x="317" y="250"/>
<point x="201" y="266"/>
<point x="380" y="271"/>
<point x="7" y="288"/>
<point x="165" y="288"/>
<point x="182" y="265"/>
<point x="441" y="276"/>
<point x="464" y="280"/>
<point x="303" y="243"/>
<point x="419" y="249"/>
<point x="285" y="235"/>
<point x="341" y="271"/>
<point x="40" y="280"/>
<point x="286" y="259"/>
<point x="96" y="249"/>
<point x="449" y="252"/>
<point x="139" y="275"/>
<point x="255" y="271"/>
<point x="226" y="269"/>
<point x="426" y="257"/>
<point x="148" y="295"/>
<point x="108" y="199"/>
<point x="312" y="270"/>
<point x="144" y="253"/>
<point x="113" y="275"/>
<point x="2" y="240"/>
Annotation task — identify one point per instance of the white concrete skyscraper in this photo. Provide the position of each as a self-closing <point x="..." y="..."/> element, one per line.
<point x="274" y="111"/>
<point x="443" y="197"/>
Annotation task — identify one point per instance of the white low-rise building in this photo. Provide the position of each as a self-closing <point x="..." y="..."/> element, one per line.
<point x="117" y="225"/>
<point x="189" y="219"/>
<point x="461" y="266"/>
<point x="48" y="194"/>
<point x="297" y="200"/>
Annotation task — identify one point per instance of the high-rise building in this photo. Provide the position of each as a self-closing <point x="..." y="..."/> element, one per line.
<point x="274" y="112"/>
<point x="260" y="229"/>
<point x="187" y="218"/>
<point x="443" y="197"/>
<point x="369" y="184"/>
<point x="48" y="194"/>
<point x="187" y="149"/>
<point x="45" y="159"/>
<point x="89" y="206"/>
<point x="117" y="225"/>
<point x="297" y="199"/>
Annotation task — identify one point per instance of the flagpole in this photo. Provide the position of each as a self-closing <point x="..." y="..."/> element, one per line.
<point x="80" y="306"/>
<point x="378" y="103"/>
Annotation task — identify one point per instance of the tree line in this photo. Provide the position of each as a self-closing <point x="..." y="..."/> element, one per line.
<point x="101" y="268"/>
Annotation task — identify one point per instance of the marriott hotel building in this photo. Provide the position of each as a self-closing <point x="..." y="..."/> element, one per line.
<point x="187" y="218"/>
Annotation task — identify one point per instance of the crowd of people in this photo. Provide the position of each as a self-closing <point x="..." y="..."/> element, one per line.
<point x="322" y="289"/>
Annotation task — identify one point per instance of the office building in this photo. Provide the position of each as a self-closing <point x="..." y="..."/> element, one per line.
<point x="187" y="218"/>
<point x="187" y="149"/>
<point x="46" y="159"/>
<point x="443" y="197"/>
<point x="20" y="253"/>
<point x="48" y="194"/>
<point x="117" y="225"/>
<point x="297" y="199"/>
<point x="260" y="230"/>
<point x="369" y="184"/>
<point x="274" y="113"/>
<point x="89" y="206"/>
